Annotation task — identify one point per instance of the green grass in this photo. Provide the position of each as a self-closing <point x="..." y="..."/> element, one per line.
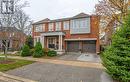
<point x="13" y="65"/>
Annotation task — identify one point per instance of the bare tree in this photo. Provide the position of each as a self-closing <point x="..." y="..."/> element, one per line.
<point x="23" y="23"/>
<point x="112" y="13"/>
<point x="11" y="20"/>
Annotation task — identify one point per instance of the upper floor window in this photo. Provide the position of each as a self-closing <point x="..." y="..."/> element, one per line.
<point x="58" y="26"/>
<point x="51" y="25"/>
<point x="80" y="26"/>
<point x="40" y="28"/>
<point x="66" y="25"/>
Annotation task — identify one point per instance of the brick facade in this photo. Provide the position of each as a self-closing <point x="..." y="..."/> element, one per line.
<point x="94" y="31"/>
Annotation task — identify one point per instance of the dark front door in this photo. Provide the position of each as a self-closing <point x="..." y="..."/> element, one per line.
<point x="73" y="46"/>
<point x="89" y="46"/>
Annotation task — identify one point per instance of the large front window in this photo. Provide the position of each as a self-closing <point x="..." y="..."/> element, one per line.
<point x="58" y="26"/>
<point x="80" y="26"/>
<point x="51" y="25"/>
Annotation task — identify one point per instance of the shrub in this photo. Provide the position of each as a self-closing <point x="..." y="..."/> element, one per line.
<point x="38" y="51"/>
<point x="25" y="51"/>
<point x="116" y="57"/>
<point x="52" y="53"/>
<point x="31" y="51"/>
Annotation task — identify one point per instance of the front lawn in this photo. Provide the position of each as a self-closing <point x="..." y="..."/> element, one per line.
<point x="12" y="64"/>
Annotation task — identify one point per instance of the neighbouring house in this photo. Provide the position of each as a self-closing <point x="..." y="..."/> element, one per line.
<point x="15" y="37"/>
<point x="79" y="33"/>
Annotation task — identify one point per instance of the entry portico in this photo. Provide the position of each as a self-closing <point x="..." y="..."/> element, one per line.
<point x="53" y="40"/>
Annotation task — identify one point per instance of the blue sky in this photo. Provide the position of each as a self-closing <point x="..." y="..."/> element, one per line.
<point x="53" y="9"/>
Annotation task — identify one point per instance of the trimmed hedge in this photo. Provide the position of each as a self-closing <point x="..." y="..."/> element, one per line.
<point x="25" y="51"/>
<point x="52" y="53"/>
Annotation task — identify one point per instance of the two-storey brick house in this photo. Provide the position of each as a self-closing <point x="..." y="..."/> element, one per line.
<point x="74" y="34"/>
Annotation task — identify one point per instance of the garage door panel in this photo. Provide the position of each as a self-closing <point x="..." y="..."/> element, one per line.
<point x="89" y="46"/>
<point x="73" y="46"/>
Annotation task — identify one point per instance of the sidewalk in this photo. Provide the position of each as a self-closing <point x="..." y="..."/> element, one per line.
<point x="10" y="78"/>
<point x="62" y="62"/>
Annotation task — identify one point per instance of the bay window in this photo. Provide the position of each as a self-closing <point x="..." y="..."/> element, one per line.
<point x="80" y="26"/>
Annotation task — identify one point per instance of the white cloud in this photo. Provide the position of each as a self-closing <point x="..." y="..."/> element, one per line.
<point x="40" y="9"/>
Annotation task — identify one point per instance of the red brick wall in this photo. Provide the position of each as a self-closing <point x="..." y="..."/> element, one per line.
<point x="94" y="20"/>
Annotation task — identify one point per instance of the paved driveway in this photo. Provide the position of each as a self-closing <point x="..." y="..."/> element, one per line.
<point x="89" y="57"/>
<point x="47" y="72"/>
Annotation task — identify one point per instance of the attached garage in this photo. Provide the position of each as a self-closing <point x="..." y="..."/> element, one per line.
<point x="73" y="46"/>
<point x="89" y="46"/>
<point x="84" y="46"/>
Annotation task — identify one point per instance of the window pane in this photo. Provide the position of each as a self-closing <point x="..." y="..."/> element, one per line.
<point x="50" y="26"/>
<point x="58" y="26"/>
<point x="66" y="25"/>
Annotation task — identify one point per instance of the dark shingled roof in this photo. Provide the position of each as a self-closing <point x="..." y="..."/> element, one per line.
<point x="81" y="15"/>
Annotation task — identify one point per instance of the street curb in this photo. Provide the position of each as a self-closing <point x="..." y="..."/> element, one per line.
<point x="16" y="77"/>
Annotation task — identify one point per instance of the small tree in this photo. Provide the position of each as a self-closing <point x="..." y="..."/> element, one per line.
<point x="25" y="51"/>
<point x="116" y="58"/>
<point x="38" y="51"/>
<point x="29" y="42"/>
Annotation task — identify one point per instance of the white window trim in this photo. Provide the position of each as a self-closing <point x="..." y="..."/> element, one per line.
<point x="39" y="28"/>
<point x="51" y="27"/>
<point x="58" y="26"/>
<point x="66" y="25"/>
<point x="80" y="26"/>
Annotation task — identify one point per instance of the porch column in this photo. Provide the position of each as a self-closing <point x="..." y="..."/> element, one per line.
<point x="42" y="41"/>
<point x="59" y="48"/>
<point x="61" y="42"/>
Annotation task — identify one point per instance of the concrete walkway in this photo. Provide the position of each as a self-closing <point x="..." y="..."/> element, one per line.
<point x="62" y="62"/>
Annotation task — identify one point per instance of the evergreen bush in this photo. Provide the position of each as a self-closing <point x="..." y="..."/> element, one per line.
<point x="25" y="51"/>
<point x="52" y="53"/>
<point x="116" y="57"/>
<point x="38" y="51"/>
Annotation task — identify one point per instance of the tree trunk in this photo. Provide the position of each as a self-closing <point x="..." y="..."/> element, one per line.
<point x="6" y="49"/>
